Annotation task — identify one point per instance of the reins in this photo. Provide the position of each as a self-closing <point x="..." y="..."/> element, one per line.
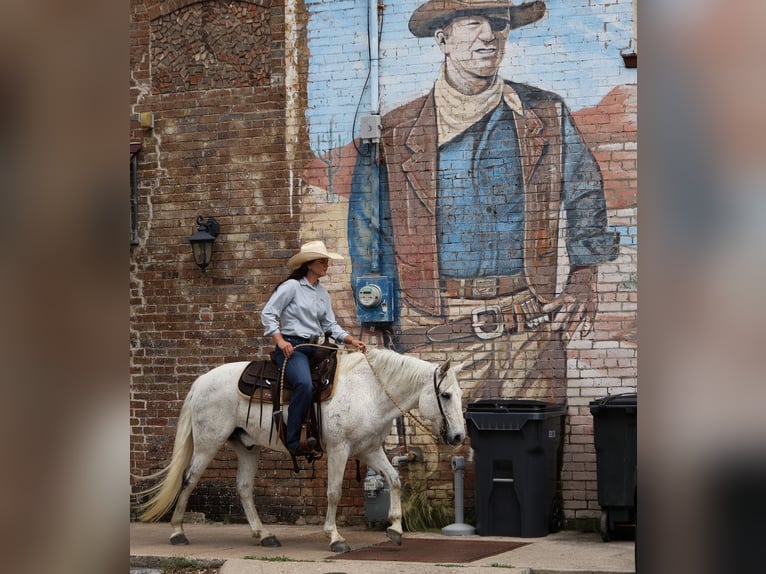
<point x="412" y="417"/>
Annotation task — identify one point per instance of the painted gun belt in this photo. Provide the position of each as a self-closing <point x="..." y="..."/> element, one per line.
<point x="487" y="321"/>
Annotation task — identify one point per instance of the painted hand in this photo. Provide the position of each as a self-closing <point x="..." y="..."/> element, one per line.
<point x="576" y="305"/>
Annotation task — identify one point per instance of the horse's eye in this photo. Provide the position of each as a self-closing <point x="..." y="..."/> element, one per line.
<point x="446" y="396"/>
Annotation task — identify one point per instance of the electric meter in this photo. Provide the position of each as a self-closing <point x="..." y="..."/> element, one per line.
<point x="370" y="295"/>
<point x="375" y="301"/>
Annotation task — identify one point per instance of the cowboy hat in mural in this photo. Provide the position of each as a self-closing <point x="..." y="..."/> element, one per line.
<point x="309" y="252"/>
<point x="435" y="14"/>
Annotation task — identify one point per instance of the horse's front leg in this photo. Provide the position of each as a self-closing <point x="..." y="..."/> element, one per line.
<point x="336" y="467"/>
<point x="378" y="461"/>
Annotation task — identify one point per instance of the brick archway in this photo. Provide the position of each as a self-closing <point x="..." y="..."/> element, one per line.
<point x="210" y="45"/>
<point x="158" y="8"/>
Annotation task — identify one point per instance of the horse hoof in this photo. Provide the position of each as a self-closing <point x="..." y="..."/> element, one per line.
<point x="340" y="547"/>
<point x="179" y="540"/>
<point x="271" y="541"/>
<point x="394" y="536"/>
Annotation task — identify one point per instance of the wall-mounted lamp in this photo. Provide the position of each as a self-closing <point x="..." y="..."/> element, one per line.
<point x="202" y="241"/>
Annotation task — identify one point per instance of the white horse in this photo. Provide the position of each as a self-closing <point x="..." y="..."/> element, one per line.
<point x="371" y="390"/>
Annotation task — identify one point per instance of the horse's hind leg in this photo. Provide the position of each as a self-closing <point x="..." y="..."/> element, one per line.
<point x="200" y="460"/>
<point x="379" y="461"/>
<point x="248" y="465"/>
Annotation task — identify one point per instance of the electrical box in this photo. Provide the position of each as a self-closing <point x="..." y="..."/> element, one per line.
<point x="369" y="127"/>
<point x="374" y="299"/>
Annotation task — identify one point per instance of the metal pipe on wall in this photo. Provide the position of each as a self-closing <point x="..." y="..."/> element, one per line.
<point x="374" y="29"/>
<point x="374" y="56"/>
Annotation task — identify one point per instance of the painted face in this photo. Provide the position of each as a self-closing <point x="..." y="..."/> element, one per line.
<point x="474" y="47"/>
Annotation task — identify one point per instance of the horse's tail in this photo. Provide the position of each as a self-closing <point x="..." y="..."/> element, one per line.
<point x="163" y="495"/>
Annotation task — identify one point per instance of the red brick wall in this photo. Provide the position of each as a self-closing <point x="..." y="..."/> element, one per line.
<point x="217" y="148"/>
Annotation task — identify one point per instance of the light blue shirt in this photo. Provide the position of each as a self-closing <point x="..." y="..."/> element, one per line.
<point x="299" y="309"/>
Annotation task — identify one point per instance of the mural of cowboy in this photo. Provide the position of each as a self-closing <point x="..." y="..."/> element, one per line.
<point x="491" y="215"/>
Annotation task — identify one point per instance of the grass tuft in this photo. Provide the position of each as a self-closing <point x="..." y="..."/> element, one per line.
<point x="420" y="514"/>
<point x="175" y="563"/>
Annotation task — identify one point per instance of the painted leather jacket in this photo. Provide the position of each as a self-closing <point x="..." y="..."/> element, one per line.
<point x="396" y="235"/>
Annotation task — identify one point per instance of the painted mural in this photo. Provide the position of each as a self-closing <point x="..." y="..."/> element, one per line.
<point x="494" y="208"/>
<point x="491" y="205"/>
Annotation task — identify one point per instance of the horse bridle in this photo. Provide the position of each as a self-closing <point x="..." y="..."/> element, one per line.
<point x="441" y="370"/>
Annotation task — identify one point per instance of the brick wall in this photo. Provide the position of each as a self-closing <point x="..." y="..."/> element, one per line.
<point x="212" y="74"/>
<point x="256" y="107"/>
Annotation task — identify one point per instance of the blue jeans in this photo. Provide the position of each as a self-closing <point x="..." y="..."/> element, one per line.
<point x="297" y="374"/>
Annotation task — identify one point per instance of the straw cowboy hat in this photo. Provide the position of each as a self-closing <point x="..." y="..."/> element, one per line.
<point x="309" y="252"/>
<point x="435" y="14"/>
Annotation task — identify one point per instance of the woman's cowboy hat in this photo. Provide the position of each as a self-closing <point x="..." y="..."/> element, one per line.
<point x="309" y="252"/>
<point x="435" y="14"/>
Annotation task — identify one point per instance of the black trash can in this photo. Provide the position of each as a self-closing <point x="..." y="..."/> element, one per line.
<point x="615" y="438"/>
<point x="516" y="462"/>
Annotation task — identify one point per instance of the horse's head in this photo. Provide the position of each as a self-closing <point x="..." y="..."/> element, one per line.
<point x="441" y="403"/>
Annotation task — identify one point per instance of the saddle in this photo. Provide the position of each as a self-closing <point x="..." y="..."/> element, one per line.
<point x="259" y="383"/>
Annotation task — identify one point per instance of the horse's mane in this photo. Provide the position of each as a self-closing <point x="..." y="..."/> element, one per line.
<point x="388" y="364"/>
<point x="349" y="361"/>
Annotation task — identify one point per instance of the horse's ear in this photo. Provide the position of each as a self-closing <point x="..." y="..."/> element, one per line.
<point x="444" y="367"/>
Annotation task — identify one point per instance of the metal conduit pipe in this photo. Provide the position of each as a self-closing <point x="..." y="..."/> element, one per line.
<point x="458" y="528"/>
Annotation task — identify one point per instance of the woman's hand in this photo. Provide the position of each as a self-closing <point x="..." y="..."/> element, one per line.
<point x="286" y="347"/>
<point x="358" y="343"/>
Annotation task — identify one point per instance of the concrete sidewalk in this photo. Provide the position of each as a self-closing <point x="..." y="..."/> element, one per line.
<point x="305" y="550"/>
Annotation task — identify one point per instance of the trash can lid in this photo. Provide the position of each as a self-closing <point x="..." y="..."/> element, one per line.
<point x="510" y="414"/>
<point x="513" y="406"/>
<point x="619" y="401"/>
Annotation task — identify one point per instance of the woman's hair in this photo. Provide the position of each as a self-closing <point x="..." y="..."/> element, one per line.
<point x="297" y="274"/>
<point x="300" y="272"/>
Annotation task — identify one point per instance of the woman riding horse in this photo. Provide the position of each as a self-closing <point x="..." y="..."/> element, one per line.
<point x="299" y="312"/>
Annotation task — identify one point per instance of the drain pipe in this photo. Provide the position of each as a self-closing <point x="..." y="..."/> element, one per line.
<point x="458" y="528"/>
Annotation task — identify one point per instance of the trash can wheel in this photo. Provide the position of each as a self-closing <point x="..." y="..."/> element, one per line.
<point x="557" y="515"/>
<point x="605" y="526"/>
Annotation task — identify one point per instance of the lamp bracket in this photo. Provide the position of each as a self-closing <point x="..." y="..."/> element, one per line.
<point x="211" y="225"/>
